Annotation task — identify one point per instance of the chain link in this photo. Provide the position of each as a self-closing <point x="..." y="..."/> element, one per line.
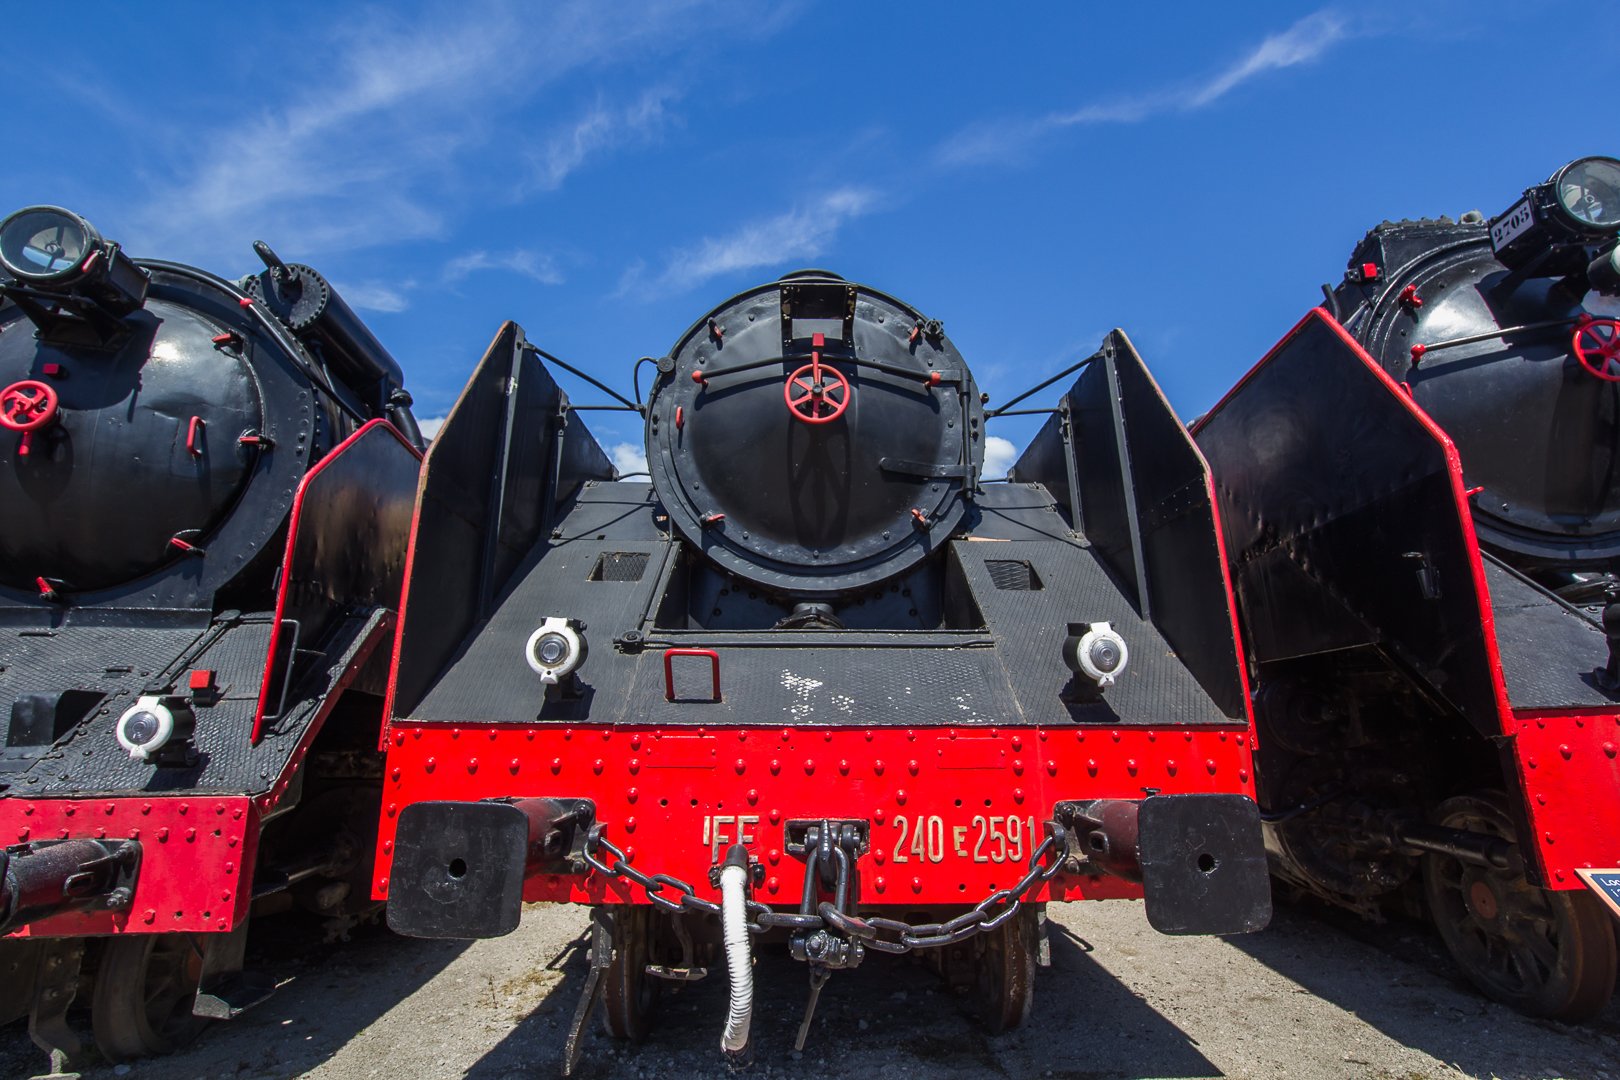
<point x="884" y="935"/>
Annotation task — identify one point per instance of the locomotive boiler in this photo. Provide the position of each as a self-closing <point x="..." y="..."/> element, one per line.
<point x="813" y="676"/>
<point x="1421" y="488"/>
<point x="206" y="489"/>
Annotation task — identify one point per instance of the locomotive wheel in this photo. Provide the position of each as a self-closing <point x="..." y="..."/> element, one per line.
<point x="628" y="992"/>
<point x="1545" y="953"/>
<point x="1005" y="984"/>
<point x="145" y="989"/>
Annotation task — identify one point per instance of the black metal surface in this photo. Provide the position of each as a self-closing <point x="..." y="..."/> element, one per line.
<point x="354" y="521"/>
<point x="89" y="760"/>
<point x="95" y="502"/>
<point x="812" y="509"/>
<point x="1549" y="650"/>
<point x="1010" y="671"/>
<point x="47" y="877"/>
<point x="306" y="302"/>
<point x="458" y="870"/>
<point x="1116" y="455"/>
<point x="1203" y="864"/>
<point x="1341" y="521"/>
<point x="490" y="491"/>
<point x="1550" y="476"/>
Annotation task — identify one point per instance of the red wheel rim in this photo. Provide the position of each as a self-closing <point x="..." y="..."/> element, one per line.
<point x="1597" y="347"/>
<point x="817" y="393"/>
<point x="27" y="406"/>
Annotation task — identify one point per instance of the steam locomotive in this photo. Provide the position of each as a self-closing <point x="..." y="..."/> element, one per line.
<point x="206" y="489"/>
<point x="1421" y="493"/>
<point x="814" y="676"/>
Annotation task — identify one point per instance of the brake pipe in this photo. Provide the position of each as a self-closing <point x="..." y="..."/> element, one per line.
<point x="739" y="958"/>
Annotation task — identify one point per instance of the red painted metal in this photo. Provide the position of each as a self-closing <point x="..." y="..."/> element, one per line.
<point x="54" y="371"/>
<point x="193" y="430"/>
<point x="200" y="679"/>
<point x="293" y="519"/>
<point x="1568" y="765"/>
<point x="1369" y="271"/>
<point x="197" y="858"/>
<point x="669" y="669"/>
<point x="25" y="407"/>
<point x="1596" y="343"/>
<point x="819" y="387"/>
<point x="675" y="798"/>
<point x="185" y="546"/>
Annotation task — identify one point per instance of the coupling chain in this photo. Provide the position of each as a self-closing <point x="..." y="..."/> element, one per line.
<point x="885" y="935"/>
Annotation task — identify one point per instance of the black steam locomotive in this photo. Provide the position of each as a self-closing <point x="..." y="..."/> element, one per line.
<point x="1421" y="487"/>
<point x="818" y="677"/>
<point x="205" y="489"/>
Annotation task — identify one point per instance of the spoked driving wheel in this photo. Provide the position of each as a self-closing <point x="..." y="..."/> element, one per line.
<point x="1545" y="953"/>
<point x="145" y="989"/>
<point x="1005" y="985"/>
<point x="628" y="992"/>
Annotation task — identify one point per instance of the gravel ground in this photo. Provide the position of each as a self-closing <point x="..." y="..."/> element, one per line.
<point x="1316" y="995"/>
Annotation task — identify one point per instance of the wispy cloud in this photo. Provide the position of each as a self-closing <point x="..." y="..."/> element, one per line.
<point x="999" y="456"/>
<point x="803" y="233"/>
<point x="375" y="295"/>
<point x="1301" y="43"/>
<point x="602" y="128"/>
<point x="369" y="143"/>
<point x="629" y="458"/>
<point x="530" y="264"/>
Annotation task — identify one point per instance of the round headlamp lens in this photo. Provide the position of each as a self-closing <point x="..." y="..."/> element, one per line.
<point x="551" y="649"/>
<point x="1105" y="655"/>
<point x="1589" y="191"/>
<point x="142" y="727"/>
<point x="45" y="243"/>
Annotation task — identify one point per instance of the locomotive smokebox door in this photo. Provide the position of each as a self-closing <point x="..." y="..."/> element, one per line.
<point x="1203" y="864"/>
<point x="458" y="870"/>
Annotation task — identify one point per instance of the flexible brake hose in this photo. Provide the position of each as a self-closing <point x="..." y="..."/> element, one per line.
<point x="739" y="957"/>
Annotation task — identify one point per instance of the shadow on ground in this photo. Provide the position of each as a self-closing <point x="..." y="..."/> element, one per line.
<point x="1416" y="996"/>
<point x="301" y="1025"/>
<point x="1087" y="1025"/>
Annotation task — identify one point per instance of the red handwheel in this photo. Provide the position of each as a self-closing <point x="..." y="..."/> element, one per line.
<point x="817" y="393"/>
<point x="1597" y="347"/>
<point x="27" y="406"/>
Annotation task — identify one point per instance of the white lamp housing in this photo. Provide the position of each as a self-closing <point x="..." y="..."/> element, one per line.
<point x="555" y="650"/>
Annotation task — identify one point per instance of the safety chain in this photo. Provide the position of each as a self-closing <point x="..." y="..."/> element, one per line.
<point x="884" y="935"/>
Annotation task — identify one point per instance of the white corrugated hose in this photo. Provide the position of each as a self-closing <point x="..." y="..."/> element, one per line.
<point x="739" y="956"/>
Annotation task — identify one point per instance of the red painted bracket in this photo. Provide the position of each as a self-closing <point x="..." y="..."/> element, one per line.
<point x="669" y="669"/>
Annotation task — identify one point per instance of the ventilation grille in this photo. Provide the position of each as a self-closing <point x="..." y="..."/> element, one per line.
<point x="619" y="566"/>
<point x="1013" y="575"/>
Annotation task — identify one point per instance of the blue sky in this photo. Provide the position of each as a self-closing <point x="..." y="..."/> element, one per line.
<point x="605" y="173"/>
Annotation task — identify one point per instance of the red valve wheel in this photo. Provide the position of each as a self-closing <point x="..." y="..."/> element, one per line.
<point x="817" y="393"/>
<point x="27" y="406"/>
<point x="1597" y="347"/>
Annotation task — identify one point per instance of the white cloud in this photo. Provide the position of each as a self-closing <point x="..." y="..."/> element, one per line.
<point x="375" y="296"/>
<point x="999" y="456"/>
<point x="1301" y="43"/>
<point x="602" y="128"/>
<point x="629" y="458"/>
<point x="430" y="425"/>
<point x="530" y="264"/>
<point x="798" y="235"/>
<point x="360" y="139"/>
